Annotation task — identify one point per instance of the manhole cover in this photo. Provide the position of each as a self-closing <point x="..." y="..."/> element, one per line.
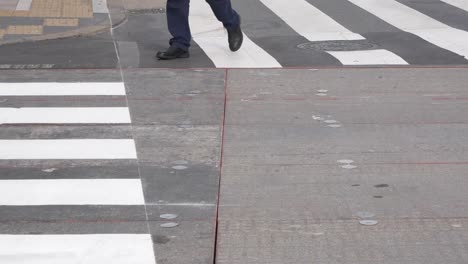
<point x="338" y="45"/>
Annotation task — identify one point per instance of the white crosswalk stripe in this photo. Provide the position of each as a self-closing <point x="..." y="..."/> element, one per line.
<point x="65" y="115"/>
<point x="309" y="21"/>
<point x="410" y="20"/>
<point x="71" y="192"/>
<point x="315" y="25"/>
<point x="61" y="89"/>
<point x="462" y="4"/>
<point x="73" y="249"/>
<point x="212" y="39"/>
<point x="92" y="193"/>
<point x="60" y="149"/>
<point x="368" y="57"/>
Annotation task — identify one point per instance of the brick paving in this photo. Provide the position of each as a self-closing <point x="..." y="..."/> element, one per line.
<point x="22" y="18"/>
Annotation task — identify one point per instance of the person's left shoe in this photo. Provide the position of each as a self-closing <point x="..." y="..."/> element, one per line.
<point x="235" y="37"/>
<point x="172" y="53"/>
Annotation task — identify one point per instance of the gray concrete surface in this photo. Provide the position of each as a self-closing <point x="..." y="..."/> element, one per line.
<point x="285" y="198"/>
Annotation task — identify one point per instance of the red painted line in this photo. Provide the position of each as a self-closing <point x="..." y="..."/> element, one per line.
<point x="450" y="98"/>
<point x="328" y="99"/>
<point x="420" y="163"/>
<point x="441" y="98"/>
<point x="216" y="224"/>
<point x="294" y="99"/>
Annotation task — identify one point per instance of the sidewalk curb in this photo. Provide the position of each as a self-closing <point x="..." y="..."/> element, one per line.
<point x="116" y="12"/>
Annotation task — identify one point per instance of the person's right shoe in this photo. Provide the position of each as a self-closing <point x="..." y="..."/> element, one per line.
<point x="172" y="53"/>
<point x="235" y="37"/>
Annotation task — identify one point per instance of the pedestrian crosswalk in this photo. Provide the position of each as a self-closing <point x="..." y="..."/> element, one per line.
<point x="73" y="197"/>
<point x="61" y="89"/>
<point x="64" y="115"/>
<point x="462" y="4"/>
<point x="212" y="40"/>
<point x="414" y="22"/>
<point x="399" y="34"/>
<point x="71" y="192"/>
<point x="73" y="249"/>
<point x="317" y="27"/>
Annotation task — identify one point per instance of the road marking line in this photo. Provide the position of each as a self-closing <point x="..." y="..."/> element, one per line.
<point x="61" y="89"/>
<point x="61" y="149"/>
<point x="72" y="249"/>
<point x="462" y="4"/>
<point x="368" y="57"/>
<point x="100" y="6"/>
<point x="412" y="21"/>
<point x="65" y="115"/>
<point x="309" y="21"/>
<point x="320" y="27"/>
<point x="212" y="39"/>
<point x="71" y="192"/>
<point x="23" y="5"/>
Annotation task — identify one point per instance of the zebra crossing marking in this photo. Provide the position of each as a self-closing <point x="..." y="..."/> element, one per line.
<point x="320" y="27"/>
<point x="65" y="115"/>
<point x="71" y="192"/>
<point x="66" y="248"/>
<point x="309" y="21"/>
<point x="61" y="149"/>
<point x="412" y="21"/>
<point x="72" y="249"/>
<point x="462" y="4"/>
<point x="62" y="89"/>
<point x="213" y="40"/>
<point x="368" y="57"/>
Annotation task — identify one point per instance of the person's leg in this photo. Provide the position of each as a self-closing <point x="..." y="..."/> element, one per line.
<point x="231" y="21"/>
<point x="224" y="13"/>
<point x="178" y="23"/>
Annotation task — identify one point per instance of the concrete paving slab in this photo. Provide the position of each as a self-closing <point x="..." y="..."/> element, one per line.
<point x="185" y="212"/>
<point x="191" y="184"/>
<point x="176" y="97"/>
<point x="190" y="242"/>
<point x="343" y="241"/>
<point x="293" y="189"/>
<point x="197" y="145"/>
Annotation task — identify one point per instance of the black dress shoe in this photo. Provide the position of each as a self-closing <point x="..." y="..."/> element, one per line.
<point x="172" y="53"/>
<point x="235" y="38"/>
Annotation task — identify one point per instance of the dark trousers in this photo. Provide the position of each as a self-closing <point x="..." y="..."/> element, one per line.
<point x="178" y="21"/>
